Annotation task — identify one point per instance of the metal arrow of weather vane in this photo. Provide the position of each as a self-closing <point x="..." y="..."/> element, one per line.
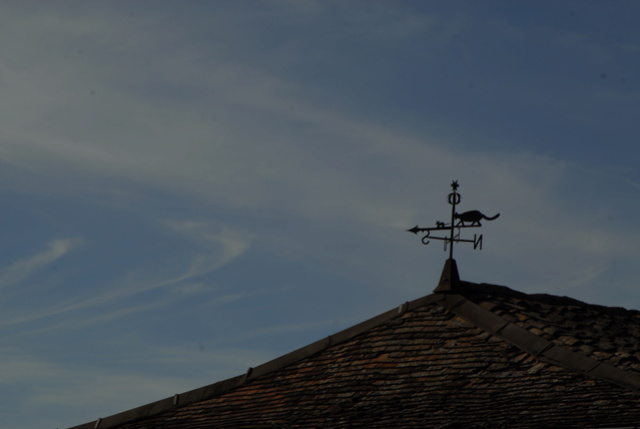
<point x="470" y="219"/>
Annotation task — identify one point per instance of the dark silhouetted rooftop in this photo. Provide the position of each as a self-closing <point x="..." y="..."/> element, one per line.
<point x="472" y="356"/>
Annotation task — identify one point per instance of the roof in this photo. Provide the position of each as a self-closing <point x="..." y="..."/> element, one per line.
<point x="468" y="356"/>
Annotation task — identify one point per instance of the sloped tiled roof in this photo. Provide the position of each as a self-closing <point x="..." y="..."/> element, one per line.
<point x="471" y="356"/>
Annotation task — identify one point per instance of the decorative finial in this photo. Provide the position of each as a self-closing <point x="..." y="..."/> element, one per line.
<point x="469" y="219"/>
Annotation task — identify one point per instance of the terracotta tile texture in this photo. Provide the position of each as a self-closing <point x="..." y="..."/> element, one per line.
<point x="478" y="356"/>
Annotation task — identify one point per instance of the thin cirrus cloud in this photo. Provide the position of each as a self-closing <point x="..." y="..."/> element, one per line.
<point x="223" y="245"/>
<point x="22" y="269"/>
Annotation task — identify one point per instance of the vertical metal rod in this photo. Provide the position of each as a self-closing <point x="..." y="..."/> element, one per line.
<point x="454" y="199"/>
<point x="453" y="212"/>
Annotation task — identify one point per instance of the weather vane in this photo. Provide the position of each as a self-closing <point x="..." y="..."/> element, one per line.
<point x="470" y="219"/>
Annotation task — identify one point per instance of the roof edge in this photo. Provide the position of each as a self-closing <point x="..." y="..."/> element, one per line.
<point x="207" y="392"/>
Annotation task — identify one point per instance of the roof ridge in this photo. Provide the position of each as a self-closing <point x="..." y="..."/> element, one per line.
<point x="220" y="387"/>
<point x="541" y="348"/>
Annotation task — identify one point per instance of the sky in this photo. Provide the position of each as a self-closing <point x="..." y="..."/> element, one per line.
<point x="192" y="188"/>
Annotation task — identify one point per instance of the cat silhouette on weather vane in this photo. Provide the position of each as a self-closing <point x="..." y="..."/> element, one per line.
<point x="473" y="216"/>
<point x="468" y="219"/>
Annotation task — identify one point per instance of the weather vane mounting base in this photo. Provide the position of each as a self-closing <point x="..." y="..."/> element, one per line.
<point x="449" y="278"/>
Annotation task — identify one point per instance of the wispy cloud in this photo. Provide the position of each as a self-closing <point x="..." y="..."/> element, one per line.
<point x="229" y="244"/>
<point x="24" y="268"/>
<point x="222" y="245"/>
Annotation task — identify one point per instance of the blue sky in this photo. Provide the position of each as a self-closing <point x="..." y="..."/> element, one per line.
<point x="193" y="188"/>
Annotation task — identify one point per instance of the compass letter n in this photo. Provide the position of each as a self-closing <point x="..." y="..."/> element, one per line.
<point x="477" y="241"/>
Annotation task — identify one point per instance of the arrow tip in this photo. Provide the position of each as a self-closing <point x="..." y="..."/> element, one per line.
<point x="415" y="229"/>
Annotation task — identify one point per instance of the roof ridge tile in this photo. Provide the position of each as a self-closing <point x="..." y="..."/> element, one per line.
<point x="537" y="346"/>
